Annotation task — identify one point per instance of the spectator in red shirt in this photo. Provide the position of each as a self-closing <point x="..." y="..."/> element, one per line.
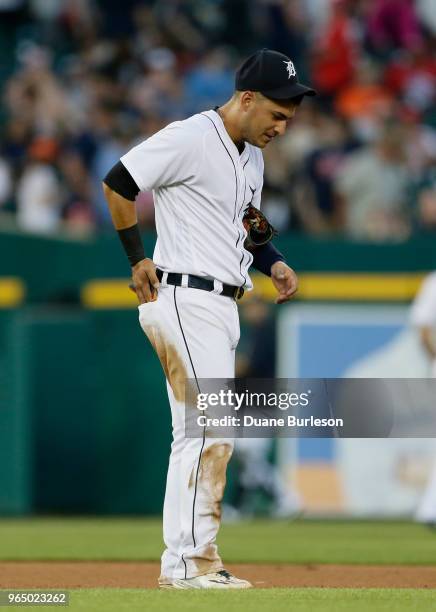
<point x="335" y="51"/>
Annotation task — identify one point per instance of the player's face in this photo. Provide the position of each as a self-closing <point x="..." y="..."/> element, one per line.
<point x="265" y="119"/>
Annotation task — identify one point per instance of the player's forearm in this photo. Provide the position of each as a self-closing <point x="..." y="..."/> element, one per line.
<point x="124" y="218"/>
<point x="123" y="211"/>
<point x="265" y="256"/>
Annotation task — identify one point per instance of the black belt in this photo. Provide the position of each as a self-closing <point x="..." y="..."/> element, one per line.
<point x="197" y="282"/>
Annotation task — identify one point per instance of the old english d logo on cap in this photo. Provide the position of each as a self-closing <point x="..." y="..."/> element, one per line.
<point x="290" y="68"/>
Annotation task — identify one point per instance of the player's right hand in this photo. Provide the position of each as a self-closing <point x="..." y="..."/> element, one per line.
<point x="144" y="281"/>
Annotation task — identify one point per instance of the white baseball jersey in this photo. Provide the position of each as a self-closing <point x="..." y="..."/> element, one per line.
<point x="201" y="186"/>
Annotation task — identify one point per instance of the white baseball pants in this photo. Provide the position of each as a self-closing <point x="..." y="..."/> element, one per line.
<point x="195" y="334"/>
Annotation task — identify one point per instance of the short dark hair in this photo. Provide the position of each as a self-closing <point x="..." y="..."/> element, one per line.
<point x="297" y="100"/>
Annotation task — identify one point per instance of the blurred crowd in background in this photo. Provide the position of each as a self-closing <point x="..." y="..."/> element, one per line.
<point x="84" y="80"/>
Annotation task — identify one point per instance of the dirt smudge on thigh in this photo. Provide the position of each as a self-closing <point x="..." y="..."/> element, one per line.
<point x="171" y="361"/>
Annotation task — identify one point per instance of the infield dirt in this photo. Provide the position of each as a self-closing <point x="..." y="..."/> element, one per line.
<point x="81" y="574"/>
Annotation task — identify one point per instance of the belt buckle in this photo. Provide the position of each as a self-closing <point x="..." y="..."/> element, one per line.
<point x="239" y="292"/>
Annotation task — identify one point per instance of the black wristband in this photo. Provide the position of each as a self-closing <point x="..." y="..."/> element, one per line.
<point x="265" y="256"/>
<point x="132" y="243"/>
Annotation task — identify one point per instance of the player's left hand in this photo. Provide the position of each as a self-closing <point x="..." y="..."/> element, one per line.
<point x="285" y="281"/>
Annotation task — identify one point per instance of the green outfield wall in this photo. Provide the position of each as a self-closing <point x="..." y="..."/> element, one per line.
<point x="84" y="425"/>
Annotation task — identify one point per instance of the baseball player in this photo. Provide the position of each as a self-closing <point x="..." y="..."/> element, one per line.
<point x="423" y="317"/>
<point x="206" y="173"/>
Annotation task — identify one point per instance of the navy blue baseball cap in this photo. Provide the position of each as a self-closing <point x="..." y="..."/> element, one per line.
<point x="273" y="74"/>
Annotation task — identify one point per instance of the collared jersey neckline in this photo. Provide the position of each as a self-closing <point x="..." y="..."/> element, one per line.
<point x="214" y="114"/>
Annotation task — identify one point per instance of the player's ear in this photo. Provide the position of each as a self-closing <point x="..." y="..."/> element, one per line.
<point x="247" y="99"/>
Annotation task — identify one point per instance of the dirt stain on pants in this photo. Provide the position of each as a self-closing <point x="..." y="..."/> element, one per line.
<point x="212" y="475"/>
<point x="172" y="363"/>
<point x="211" y="483"/>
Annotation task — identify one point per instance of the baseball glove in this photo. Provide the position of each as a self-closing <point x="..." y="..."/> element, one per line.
<point x="259" y="229"/>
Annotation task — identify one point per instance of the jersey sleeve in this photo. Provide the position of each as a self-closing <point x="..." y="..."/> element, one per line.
<point x="424" y="307"/>
<point x="170" y="156"/>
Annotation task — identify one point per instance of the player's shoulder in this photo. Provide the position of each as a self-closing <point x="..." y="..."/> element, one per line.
<point x="191" y="130"/>
<point x="197" y="123"/>
<point x="194" y="130"/>
<point x="181" y="135"/>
